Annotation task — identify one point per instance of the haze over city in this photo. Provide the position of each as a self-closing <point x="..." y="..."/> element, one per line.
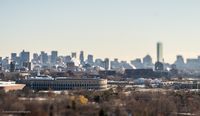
<point x="99" y="58"/>
<point x="115" y="29"/>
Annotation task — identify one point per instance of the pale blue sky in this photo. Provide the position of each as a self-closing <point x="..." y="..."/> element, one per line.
<point x="125" y="29"/>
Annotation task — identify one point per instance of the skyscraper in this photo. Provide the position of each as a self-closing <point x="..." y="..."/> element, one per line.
<point x="54" y="55"/>
<point x="0" y="63"/>
<point x="115" y="64"/>
<point x="147" y="61"/>
<point x="137" y="63"/>
<point x="67" y="59"/>
<point x="180" y="64"/>
<point x="81" y="57"/>
<point x="106" y="63"/>
<point x="13" y="56"/>
<point x="73" y="54"/>
<point x="159" y="66"/>
<point x="90" y="59"/>
<point x="35" y="57"/>
<point x="24" y="57"/>
<point x="12" y="66"/>
<point x="160" y="52"/>
<point x="44" y="57"/>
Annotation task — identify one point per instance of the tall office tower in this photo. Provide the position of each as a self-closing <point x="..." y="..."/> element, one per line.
<point x="106" y="63"/>
<point x="90" y="59"/>
<point x="73" y="54"/>
<point x="81" y="57"/>
<point x="116" y="60"/>
<point x="54" y="56"/>
<point x="159" y="66"/>
<point x="0" y="63"/>
<point x="44" y="57"/>
<point x="24" y="57"/>
<point x="14" y="56"/>
<point x="137" y="63"/>
<point x="147" y="61"/>
<point x="68" y="59"/>
<point x="99" y="62"/>
<point x="5" y="63"/>
<point x="160" y="52"/>
<point x="12" y="66"/>
<point x="115" y="64"/>
<point x="179" y="62"/>
<point x="35" y="57"/>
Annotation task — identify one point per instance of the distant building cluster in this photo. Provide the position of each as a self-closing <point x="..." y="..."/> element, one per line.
<point x="19" y="62"/>
<point x="81" y="71"/>
<point x="190" y="64"/>
<point x="71" y="62"/>
<point x="77" y="62"/>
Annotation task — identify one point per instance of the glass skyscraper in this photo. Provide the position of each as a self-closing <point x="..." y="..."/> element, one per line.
<point x="54" y="56"/>
<point x="160" y="52"/>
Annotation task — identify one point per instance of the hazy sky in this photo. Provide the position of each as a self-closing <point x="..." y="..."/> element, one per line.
<point x="125" y="29"/>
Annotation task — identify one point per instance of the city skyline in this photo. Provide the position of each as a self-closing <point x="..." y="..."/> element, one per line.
<point x="69" y="53"/>
<point x="83" y="55"/>
<point x="114" y="29"/>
